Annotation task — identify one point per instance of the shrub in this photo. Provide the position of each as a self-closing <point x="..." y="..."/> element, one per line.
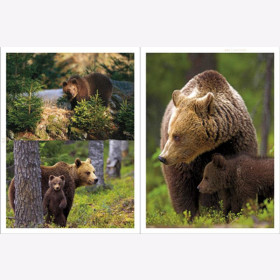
<point x="125" y="119"/>
<point x="91" y="116"/>
<point x="24" y="112"/>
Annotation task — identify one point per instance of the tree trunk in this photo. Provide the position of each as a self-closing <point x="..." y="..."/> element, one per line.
<point x="113" y="168"/>
<point x="95" y="153"/>
<point x="124" y="148"/>
<point x="266" y="104"/>
<point x="201" y="62"/>
<point x="28" y="191"/>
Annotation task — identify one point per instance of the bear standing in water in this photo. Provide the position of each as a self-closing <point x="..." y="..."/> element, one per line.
<point x="55" y="201"/>
<point x="82" y="88"/>
<point x="238" y="179"/>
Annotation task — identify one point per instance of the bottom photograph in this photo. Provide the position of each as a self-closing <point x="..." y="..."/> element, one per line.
<point x="70" y="184"/>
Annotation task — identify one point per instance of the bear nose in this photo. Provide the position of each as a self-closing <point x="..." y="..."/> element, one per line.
<point x="162" y="159"/>
<point x="198" y="187"/>
<point x="95" y="181"/>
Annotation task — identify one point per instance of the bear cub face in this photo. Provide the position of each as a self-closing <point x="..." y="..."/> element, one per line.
<point x="214" y="175"/>
<point x="57" y="183"/>
<point x="71" y="88"/>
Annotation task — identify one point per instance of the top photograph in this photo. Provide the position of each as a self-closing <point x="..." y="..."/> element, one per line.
<point x="70" y="96"/>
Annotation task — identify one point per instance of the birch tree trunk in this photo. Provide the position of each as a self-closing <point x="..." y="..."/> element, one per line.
<point x="124" y="148"/>
<point x="266" y="105"/>
<point x="96" y="154"/>
<point x="113" y="168"/>
<point x="28" y="191"/>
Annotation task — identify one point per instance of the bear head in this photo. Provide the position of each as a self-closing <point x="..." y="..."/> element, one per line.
<point x="191" y="128"/>
<point x="57" y="182"/>
<point x="71" y="87"/>
<point x="86" y="172"/>
<point x="214" y="175"/>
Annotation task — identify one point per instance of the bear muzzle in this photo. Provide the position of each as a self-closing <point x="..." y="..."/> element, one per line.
<point x="162" y="159"/>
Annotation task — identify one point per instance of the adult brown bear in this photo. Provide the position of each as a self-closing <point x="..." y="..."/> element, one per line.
<point x="81" y="173"/>
<point x="206" y="116"/>
<point x="78" y="88"/>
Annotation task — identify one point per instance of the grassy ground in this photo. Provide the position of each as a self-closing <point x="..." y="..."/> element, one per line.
<point x="110" y="207"/>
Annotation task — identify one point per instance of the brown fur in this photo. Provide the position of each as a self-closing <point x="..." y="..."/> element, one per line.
<point x="206" y="116"/>
<point x="81" y="173"/>
<point x="238" y="179"/>
<point x="55" y="201"/>
<point x="78" y="88"/>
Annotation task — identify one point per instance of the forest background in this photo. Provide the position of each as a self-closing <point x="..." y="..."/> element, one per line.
<point x="251" y="74"/>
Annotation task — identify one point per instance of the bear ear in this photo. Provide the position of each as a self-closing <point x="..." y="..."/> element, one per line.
<point x="62" y="177"/>
<point x="64" y="84"/>
<point x="74" y="81"/>
<point x="51" y="177"/>
<point x="177" y="97"/>
<point x="88" y="160"/>
<point x="219" y="161"/>
<point x="205" y="104"/>
<point x="78" y="162"/>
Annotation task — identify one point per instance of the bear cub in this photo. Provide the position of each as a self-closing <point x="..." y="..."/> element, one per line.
<point x="83" y="88"/>
<point x="238" y="179"/>
<point x="55" y="201"/>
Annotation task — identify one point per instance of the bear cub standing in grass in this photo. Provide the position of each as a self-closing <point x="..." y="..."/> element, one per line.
<point x="55" y="201"/>
<point x="78" y="88"/>
<point x="238" y="179"/>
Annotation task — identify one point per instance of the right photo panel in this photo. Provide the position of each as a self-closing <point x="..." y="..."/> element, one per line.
<point x="210" y="140"/>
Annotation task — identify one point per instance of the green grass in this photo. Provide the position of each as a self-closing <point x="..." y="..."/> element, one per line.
<point x="160" y="214"/>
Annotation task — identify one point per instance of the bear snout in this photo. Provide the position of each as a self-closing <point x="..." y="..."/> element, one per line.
<point x="162" y="159"/>
<point x="95" y="180"/>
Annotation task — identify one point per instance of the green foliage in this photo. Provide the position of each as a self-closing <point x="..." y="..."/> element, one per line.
<point x="104" y="208"/>
<point x="24" y="107"/>
<point x="92" y="116"/>
<point x="250" y="217"/>
<point x="24" y="112"/>
<point x="48" y="70"/>
<point x="51" y="152"/>
<point x="120" y="69"/>
<point x="125" y="118"/>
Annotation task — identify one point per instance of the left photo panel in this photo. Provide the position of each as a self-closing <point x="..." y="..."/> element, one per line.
<point x="68" y="148"/>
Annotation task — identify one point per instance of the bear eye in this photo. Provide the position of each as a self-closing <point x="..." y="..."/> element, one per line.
<point x="87" y="173"/>
<point x="206" y="178"/>
<point x="176" y="138"/>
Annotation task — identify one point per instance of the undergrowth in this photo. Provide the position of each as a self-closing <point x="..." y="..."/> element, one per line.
<point x="249" y="217"/>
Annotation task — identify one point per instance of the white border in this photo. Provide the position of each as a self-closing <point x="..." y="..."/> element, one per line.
<point x="136" y="51"/>
<point x="143" y="139"/>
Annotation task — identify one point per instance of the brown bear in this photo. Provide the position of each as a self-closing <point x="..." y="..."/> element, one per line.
<point x="81" y="173"/>
<point x="238" y="179"/>
<point x="82" y="88"/>
<point x="55" y="201"/>
<point x="206" y="116"/>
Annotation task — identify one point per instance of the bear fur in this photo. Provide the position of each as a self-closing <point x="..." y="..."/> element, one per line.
<point x="238" y="179"/>
<point x="206" y="116"/>
<point x="78" y="88"/>
<point x="81" y="173"/>
<point x="55" y="201"/>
